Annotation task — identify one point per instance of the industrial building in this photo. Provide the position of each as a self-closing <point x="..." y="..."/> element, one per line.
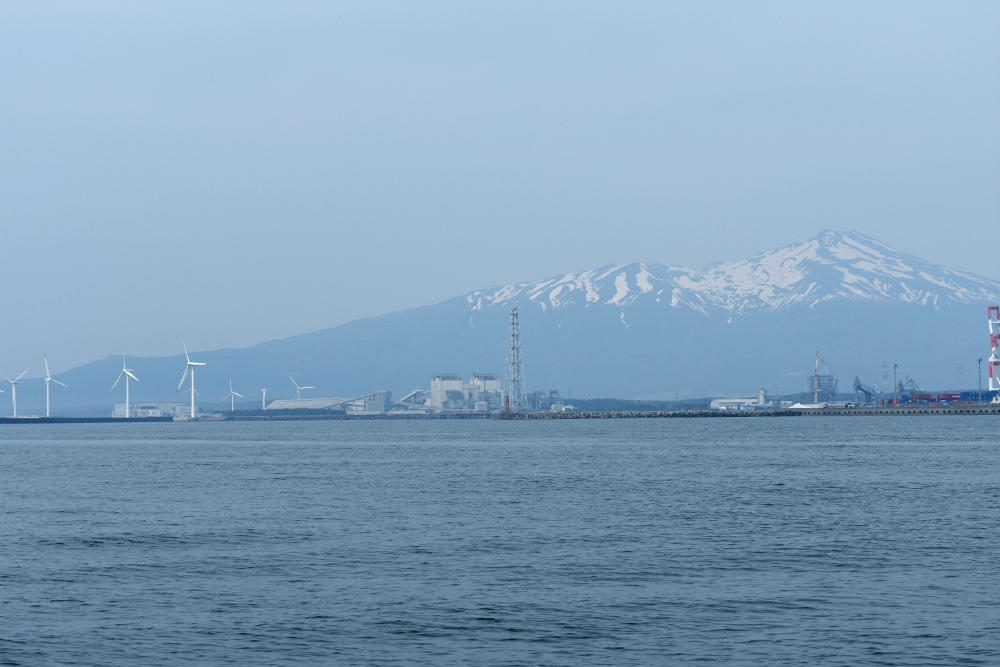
<point x="307" y="403"/>
<point x="482" y="393"/>
<point x="145" y="410"/>
<point x="735" y="404"/>
<point x="763" y="401"/>
<point x="542" y="401"/>
<point x="448" y="393"/>
<point x="377" y="402"/>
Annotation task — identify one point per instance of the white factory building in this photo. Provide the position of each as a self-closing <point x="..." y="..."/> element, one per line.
<point x="482" y="393"/>
<point x="141" y="409"/>
<point x="761" y="401"/>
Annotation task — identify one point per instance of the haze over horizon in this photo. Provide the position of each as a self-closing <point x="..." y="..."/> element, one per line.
<point x="239" y="172"/>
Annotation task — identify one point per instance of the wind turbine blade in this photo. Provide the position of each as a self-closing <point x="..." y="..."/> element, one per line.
<point x="307" y="387"/>
<point x="7" y="379"/>
<point x="46" y="360"/>
<point x="186" y="350"/>
<point x="120" y="376"/>
<point x="21" y="375"/>
<point x="58" y="382"/>
<point x="187" y="369"/>
<point x="294" y="382"/>
<point x="39" y="390"/>
<point x="239" y="395"/>
<point x="129" y="373"/>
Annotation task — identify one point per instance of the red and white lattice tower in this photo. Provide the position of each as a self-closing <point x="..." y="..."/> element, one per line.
<point x="993" y="315"/>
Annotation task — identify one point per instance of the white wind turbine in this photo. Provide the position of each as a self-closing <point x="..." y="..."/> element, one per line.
<point x="298" y="389"/>
<point x="231" y="396"/>
<point x="13" y="388"/>
<point x="49" y="379"/>
<point x="126" y="373"/>
<point x="191" y="365"/>
<point x="263" y="399"/>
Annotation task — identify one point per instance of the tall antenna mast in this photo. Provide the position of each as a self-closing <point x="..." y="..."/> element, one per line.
<point x="517" y="397"/>
<point x="816" y="380"/>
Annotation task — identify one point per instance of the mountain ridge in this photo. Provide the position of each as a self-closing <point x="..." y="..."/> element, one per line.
<point x="868" y="268"/>
<point x="636" y="330"/>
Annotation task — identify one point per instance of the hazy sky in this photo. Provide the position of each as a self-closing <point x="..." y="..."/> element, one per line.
<point x="238" y="172"/>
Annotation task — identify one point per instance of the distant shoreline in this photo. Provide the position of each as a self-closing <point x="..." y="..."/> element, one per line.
<point x="904" y="411"/>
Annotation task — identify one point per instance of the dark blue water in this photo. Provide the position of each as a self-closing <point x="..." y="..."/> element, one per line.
<point x="632" y="542"/>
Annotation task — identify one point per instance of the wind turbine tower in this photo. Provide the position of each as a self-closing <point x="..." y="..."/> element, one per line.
<point x="48" y="380"/>
<point x="231" y="396"/>
<point x="13" y="388"/>
<point x="298" y="389"/>
<point x="127" y="374"/>
<point x="189" y="369"/>
<point x="263" y="399"/>
<point x="517" y="396"/>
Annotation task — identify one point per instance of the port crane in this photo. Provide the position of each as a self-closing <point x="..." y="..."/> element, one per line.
<point x="869" y="392"/>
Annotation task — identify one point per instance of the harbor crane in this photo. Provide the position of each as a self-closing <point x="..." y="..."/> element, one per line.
<point x="862" y="388"/>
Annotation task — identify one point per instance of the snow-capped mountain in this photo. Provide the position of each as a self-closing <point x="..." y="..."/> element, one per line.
<point x="636" y="331"/>
<point x="833" y="265"/>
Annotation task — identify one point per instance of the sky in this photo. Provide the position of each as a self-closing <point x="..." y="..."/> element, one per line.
<point x="235" y="172"/>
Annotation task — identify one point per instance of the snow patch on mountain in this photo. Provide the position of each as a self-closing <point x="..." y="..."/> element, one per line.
<point x="621" y="288"/>
<point x="833" y="265"/>
<point x="642" y="279"/>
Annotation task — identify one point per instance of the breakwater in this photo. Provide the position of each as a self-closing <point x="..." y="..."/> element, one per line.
<point x="904" y="411"/>
<point x="21" y="421"/>
<point x="340" y="416"/>
<point x="647" y="414"/>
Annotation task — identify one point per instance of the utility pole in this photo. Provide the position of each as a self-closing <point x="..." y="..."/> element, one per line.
<point x="980" y="379"/>
<point x="894" y="383"/>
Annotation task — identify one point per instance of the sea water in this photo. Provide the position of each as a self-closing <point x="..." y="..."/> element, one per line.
<point x="767" y="541"/>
